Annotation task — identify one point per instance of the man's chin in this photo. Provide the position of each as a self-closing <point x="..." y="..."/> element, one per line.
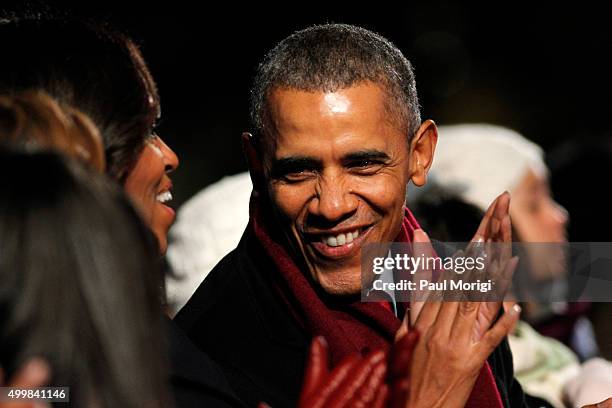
<point x="340" y="287"/>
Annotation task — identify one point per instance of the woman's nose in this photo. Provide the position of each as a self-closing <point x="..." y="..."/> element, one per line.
<point x="560" y="214"/>
<point x="171" y="160"/>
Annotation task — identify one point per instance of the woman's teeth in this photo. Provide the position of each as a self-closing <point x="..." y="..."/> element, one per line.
<point x="341" y="239"/>
<point x="164" y="197"/>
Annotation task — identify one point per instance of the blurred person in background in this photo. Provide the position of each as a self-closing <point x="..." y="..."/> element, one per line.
<point x="102" y="73"/>
<point x="56" y="298"/>
<point x="495" y="158"/>
<point x="208" y="227"/>
<point x="452" y="205"/>
<point x="576" y="168"/>
<point x="77" y="302"/>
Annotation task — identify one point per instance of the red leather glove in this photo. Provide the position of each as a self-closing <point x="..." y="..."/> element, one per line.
<point x="356" y="382"/>
<point x="400" y="360"/>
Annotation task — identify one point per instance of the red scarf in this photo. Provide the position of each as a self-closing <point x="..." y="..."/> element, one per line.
<point x="353" y="326"/>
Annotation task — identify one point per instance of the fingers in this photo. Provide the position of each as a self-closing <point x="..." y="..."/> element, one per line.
<point x="380" y="401"/>
<point x="337" y="376"/>
<point x="422" y="245"/>
<point x="319" y="397"/>
<point x="503" y="206"/>
<point x="446" y="318"/>
<point x="467" y="314"/>
<point x="400" y="364"/>
<point x="404" y="327"/>
<point x="483" y="228"/>
<point x="502" y="240"/>
<point x="317" y="366"/>
<point x="603" y="404"/>
<point x="491" y="222"/>
<point x="501" y="230"/>
<point x="427" y="316"/>
<point x="507" y="228"/>
<point x="501" y="329"/>
<point x="34" y="373"/>
<point x="366" y="394"/>
<point x="401" y="355"/>
<point x="423" y="312"/>
<point x="355" y="380"/>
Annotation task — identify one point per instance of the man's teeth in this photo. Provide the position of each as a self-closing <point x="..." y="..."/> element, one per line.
<point x="341" y="239"/>
<point x="164" y="197"/>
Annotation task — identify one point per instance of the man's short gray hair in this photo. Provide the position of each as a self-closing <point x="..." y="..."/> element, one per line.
<point x="336" y="56"/>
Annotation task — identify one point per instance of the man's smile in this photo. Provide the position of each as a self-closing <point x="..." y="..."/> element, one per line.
<point x="338" y="243"/>
<point x="337" y="177"/>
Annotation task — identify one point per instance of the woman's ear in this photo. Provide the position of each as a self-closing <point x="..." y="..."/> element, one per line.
<point x="422" y="150"/>
<point x="254" y="161"/>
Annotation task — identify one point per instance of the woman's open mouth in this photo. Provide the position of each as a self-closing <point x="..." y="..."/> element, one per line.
<point x="163" y="198"/>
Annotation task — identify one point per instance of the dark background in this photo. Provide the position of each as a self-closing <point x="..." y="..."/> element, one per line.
<point x="543" y="71"/>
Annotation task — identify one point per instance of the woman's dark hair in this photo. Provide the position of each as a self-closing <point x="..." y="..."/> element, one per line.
<point x="75" y="266"/>
<point x="91" y="67"/>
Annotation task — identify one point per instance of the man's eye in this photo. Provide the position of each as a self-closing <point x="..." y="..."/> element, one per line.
<point x="365" y="166"/>
<point x="298" y="175"/>
<point x="363" y="163"/>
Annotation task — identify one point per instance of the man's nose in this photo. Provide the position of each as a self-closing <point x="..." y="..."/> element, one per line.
<point x="334" y="199"/>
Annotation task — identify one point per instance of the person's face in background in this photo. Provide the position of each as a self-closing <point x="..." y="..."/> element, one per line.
<point x="149" y="187"/>
<point x="337" y="175"/>
<point x="538" y="219"/>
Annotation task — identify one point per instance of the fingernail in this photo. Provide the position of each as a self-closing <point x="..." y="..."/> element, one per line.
<point x="376" y="356"/>
<point x="514" y="261"/>
<point x="516" y="310"/>
<point x="37" y="364"/>
<point x="37" y="369"/>
<point x="321" y="340"/>
<point x="422" y="234"/>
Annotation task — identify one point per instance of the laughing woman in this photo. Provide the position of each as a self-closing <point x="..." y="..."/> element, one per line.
<point x="74" y="253"/>
<point x="102" y="72"/>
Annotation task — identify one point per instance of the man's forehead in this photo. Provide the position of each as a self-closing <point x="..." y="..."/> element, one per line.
<point x="336" y="98"/>
<point x="362" y="104"/>
<point x="294" y="108"/>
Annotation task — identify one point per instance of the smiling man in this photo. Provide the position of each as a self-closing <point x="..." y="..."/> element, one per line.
<point x="337" y="138"/>
<point x="337" y="175"/>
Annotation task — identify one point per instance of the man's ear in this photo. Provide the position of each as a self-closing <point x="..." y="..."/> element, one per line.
<point x="422" y="150"/>
<point x="252" y="154"/>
